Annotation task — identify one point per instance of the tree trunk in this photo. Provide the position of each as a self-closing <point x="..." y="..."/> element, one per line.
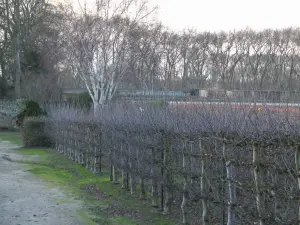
<point x="96" y="106"/>
<point x="17" y="51"/>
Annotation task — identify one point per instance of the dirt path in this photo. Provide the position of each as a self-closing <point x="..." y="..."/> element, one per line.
<point x="26" y="200"/>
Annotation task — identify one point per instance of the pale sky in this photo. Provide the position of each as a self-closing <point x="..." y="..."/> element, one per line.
<point x="216" y="15"/>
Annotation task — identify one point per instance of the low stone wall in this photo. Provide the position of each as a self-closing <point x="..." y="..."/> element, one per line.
<point x="8" y="110"/>
<point x="9" y="107"/>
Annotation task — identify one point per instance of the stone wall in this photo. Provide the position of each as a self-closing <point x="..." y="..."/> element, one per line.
<point x="8" y="110"/>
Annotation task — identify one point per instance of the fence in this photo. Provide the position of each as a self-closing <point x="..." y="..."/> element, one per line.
<point x="206" y="177"/>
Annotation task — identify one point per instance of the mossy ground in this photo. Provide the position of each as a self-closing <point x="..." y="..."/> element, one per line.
<point x="74" y="179"/>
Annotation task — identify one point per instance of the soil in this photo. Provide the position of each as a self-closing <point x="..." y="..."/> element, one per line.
<point x="27" y="200"/>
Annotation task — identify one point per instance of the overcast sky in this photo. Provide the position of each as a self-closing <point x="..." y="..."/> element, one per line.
<point x="216" y="15"/>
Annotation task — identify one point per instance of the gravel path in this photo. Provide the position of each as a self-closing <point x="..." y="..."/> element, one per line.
<point x="26" y="200"/>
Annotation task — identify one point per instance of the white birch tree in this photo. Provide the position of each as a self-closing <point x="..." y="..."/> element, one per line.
<point x="98" y="45"/>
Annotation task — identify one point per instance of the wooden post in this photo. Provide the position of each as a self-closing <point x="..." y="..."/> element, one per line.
<point x="114" y="169"/>
<point x="87" y="150"/>
<point x="139" y="159"/>
<point x="257" y="182"/>
<point x="297" y="163"/>
<point x="223" y="190"/>
<point x="167" y="175"/>
<point x="154" y="188"/>
<point x="132" y="175"/>
<point x="185" y="187"/>
<point x="231" y="187"/>
<point x="162" y="188"/>
<point x="115" y="175"/>
<point x="100" y="146"/>
<point x="97" y="155"/>
<point x="203" y="184"/>
<point x="143" y="191"/>
<point x="132" y="182"/>
<point x="111" y="172"/>
<point x="111" y="177"/>
<point x="232" y="193"/>
<point x="123" y="174"/>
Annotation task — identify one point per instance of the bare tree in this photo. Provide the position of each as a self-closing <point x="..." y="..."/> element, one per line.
<point x="99" y="46"/>
<point x="17" y="19"/>
<point x="199" y="65"/>
<point x="170" y="59"/>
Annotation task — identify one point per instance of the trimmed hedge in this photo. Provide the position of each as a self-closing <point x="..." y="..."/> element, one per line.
<point x="31" y="108"/>
<point x="35" y="134"/>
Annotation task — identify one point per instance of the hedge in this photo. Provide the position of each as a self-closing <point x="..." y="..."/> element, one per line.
<point x="34" y="133"/>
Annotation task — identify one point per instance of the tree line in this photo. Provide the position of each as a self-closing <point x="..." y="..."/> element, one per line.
<point x="45" y="47"/>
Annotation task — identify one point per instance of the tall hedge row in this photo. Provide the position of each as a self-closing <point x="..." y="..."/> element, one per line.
<point x="214" y="165"/>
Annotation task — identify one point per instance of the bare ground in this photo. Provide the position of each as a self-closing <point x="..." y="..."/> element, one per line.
<point x="27" y="200"/>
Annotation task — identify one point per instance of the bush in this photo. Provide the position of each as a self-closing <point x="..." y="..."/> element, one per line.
<point x="35" y="134"/>
<point x="30" y="109"/>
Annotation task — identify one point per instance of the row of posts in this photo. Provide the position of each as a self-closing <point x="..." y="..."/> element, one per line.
<point x="69" y="144"/>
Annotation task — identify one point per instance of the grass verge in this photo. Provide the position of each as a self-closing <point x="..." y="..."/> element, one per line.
<point x="105" y="203"/>
<point x="13" y="137"/>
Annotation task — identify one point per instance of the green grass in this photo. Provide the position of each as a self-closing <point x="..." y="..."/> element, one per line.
<point x="13" y="137"/>
<point x="60" y="171"/>
<point x="33" y="151"/>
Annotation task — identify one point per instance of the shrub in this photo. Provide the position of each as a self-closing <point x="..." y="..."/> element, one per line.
<point x="35" y="134"/>
<point x="30" y="109"/>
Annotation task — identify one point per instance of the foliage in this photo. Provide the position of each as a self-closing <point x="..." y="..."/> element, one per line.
<point x="34" y="133"/>
<point x="30" y="108"/>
